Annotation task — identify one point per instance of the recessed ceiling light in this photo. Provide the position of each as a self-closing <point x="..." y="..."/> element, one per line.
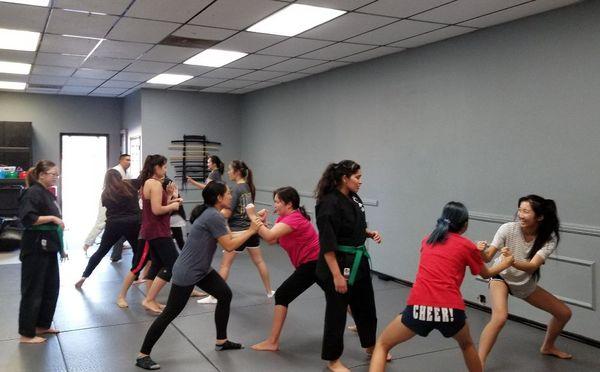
<point x="19" y="40"/>
<point x="169" y="79"/>
<point x="294" y="19"/>
<point x="215" y="58"/>
<point x="13" y="85"/>
<point x="28" y="2"/>
<point x="15" y="68"/>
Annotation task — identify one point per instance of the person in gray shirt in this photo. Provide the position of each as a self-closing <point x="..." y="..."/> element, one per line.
<point x="192" y="268"/>
<point x="216" y="167"/>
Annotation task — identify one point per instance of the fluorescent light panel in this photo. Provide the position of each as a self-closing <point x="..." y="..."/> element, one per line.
<point x="169" y="79"/>
<point x="15" y="68"/>
<point x="12" y="85"/>
<point x="19" y="40"/>
<point x="295" y="19"/>
<point x="215" y="58"/>
<point x="83" y="11"/>
<point x="28" y="2"/>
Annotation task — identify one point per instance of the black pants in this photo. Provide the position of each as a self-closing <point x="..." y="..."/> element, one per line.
<point x="361" y="299"/>
<point x="117" y="250"/>
<point x="300" y="280"/>
<point x="112" y="233"/>
<point x="163" y="254"/>
<point x="40" y="283"/>
<point x="178" y="236"/>
<point x="212" y="284"/>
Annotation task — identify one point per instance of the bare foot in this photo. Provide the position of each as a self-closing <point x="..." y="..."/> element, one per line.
<point x="151" y="306"/>
<point x="32" y="340"/>
<point x="556" y="353"/>
<point x="337" y="366"/>
<point x="79" y="283"/>
<point x="196" y="293"/>
<point x="388" y="358"/>
<point x="122" y="303"/>
<point x="160" y="306"/>
<point x="266" y="345"/>
<point x="353" y="328"/>
<point x="44" y="331"/>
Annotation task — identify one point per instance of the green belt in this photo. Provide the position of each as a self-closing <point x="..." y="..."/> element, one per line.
<point x="358" y="253"/>
<point x="51" y="227"/>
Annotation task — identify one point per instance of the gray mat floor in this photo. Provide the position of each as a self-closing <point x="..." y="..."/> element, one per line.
<point x="98" y="336"/>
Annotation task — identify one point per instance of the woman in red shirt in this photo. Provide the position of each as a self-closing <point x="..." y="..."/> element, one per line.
<point x="435" y="301"/>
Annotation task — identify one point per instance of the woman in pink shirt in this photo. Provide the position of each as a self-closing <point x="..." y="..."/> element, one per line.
<point x="297" y="236"/>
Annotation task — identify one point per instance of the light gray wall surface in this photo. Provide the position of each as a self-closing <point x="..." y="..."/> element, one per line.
<point x="484" y="118"/>
<point x="132" y="114"/>
<point x="52" y="114"/>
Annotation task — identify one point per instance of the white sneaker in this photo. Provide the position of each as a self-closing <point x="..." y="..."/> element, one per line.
<point x="207" y="300"/>
<point x="270" y="295"/>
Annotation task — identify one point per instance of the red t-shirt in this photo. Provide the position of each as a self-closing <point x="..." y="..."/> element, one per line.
<point x="442" y="270"/>
<point x="302" y="244"/>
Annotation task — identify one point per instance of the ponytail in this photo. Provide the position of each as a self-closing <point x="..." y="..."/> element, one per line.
<point x="217" y="161"/>
<point x="246" y="173"/>
<point x="332" y="177"/>
<point x="33" y="174"/>
<point x="149" y="164"/>
<point x="454" y="218"/>
<point x="289" y="194"/>
<point x="210" y="194"/>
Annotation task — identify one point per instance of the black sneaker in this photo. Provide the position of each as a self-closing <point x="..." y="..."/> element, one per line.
<point x="146" y="363"/>
<point x="228" y="345"/>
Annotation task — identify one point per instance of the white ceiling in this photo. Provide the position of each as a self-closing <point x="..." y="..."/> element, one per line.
<point x="131" y="53"/>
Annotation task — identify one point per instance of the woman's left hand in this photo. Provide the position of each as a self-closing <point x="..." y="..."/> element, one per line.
<point x="375" y="236"/>
<point x="171" y="189"/>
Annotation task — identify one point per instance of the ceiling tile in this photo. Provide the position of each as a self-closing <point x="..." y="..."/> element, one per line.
<point x="294" y="47"/>
<point x="93" y="74"/>
<point x="294" y="64"/>
<point x="52" y="70"/>
<point x="23" y="17"/>
<point x="81" y="24"/>
<point x="202" y="82"/>
<point x="116" y="7"/>
<point x="67" y="89"/>
<point x="155" y="86"/>
<point x="256" y="61"/>
<point x="49" y="80"/>
<point x="205" y="33"/>
<point x="121" y="49"/>
<point x="520" y="11"/>
<point x="17" y="56"/>
<point x="262" y="75"/>
<point x="369" y="54"/>
<point x="347" y="26"/>
<point x="401" y="9"/>
<point x="120" y="84"/>
<point x="236" y="14"/>
<point x="103" y="63"/>
<point x="147" y="66"/>
<point x="48" y="59"/>
<point x="290" y="77"/>
<point x="61" y="44"/>
<point x="14" y="77"/>
<point x="249" y="42"/>
<point x="140" y="30"/>
<point x="189" y="70"/>
<point x="226" y="73"/>
<point x="85" y="82"/>
<point x="336" y="4"/>
<point x="395" y="31"/>
<point x="42" y="90"/>
<point x="168" y="53"/>
<point x="337" y="51"/>
<point x="324" y="67"/>
<point x="463" y="10"/>
<point x="217" y="90"/>
<point x="234" y="84"/>
<point x="173" y="10"/>
<point x="433" y="36"/>
<point x="109" y="91"/>
<point x="133" y="76"/>
<point x="254" y="87"/>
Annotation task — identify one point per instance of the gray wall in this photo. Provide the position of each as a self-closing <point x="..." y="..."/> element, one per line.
<point x="483" y="118"/>
<point x="53" y="114"/>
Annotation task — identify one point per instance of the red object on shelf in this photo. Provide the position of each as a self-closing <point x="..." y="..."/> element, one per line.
<point x="22" y="175"/>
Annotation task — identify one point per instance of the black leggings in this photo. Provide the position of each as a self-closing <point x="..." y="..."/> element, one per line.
<point x="112" y="233"/>
<point x="296" y="284"/>
<point x="212" y="284"/>
<point x="178" y="236"/>
<point x="163" y="254"/>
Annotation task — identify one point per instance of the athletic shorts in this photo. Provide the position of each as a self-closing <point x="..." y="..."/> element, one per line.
<point x="423" y="319"/>
<point x="252" y="242"/>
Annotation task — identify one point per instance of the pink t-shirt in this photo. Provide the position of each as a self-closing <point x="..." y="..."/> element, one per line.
<point x="302" y="244"/>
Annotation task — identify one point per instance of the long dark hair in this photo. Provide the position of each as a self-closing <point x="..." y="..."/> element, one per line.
<point x="288" y="194"/>
<point x="240" y="166"/>
<point x="210" y="194"/>
<point x="453" y="219"/>
<point x="42" y="166"/>
<point x="115" y="186"/>
<point x="148" y="168"/>
<point x="332" y="177"/>
<point x="545" y="208"/>
<point x="217" y="161"/>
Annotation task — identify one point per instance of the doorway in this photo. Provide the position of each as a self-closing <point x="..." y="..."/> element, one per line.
<point x="84" y="160"/>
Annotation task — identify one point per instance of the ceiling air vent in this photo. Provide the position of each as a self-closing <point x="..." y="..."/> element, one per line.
<point x="188" y="42"/>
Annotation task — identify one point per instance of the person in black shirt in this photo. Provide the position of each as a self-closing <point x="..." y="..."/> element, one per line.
<point x="343" y="265"/>
<point x="120" y="198"/>
<point x="42" y="239"/>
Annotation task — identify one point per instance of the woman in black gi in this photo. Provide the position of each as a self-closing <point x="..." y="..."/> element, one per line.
<point x="41" y="241"/>
<point x="343" y="265"/>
